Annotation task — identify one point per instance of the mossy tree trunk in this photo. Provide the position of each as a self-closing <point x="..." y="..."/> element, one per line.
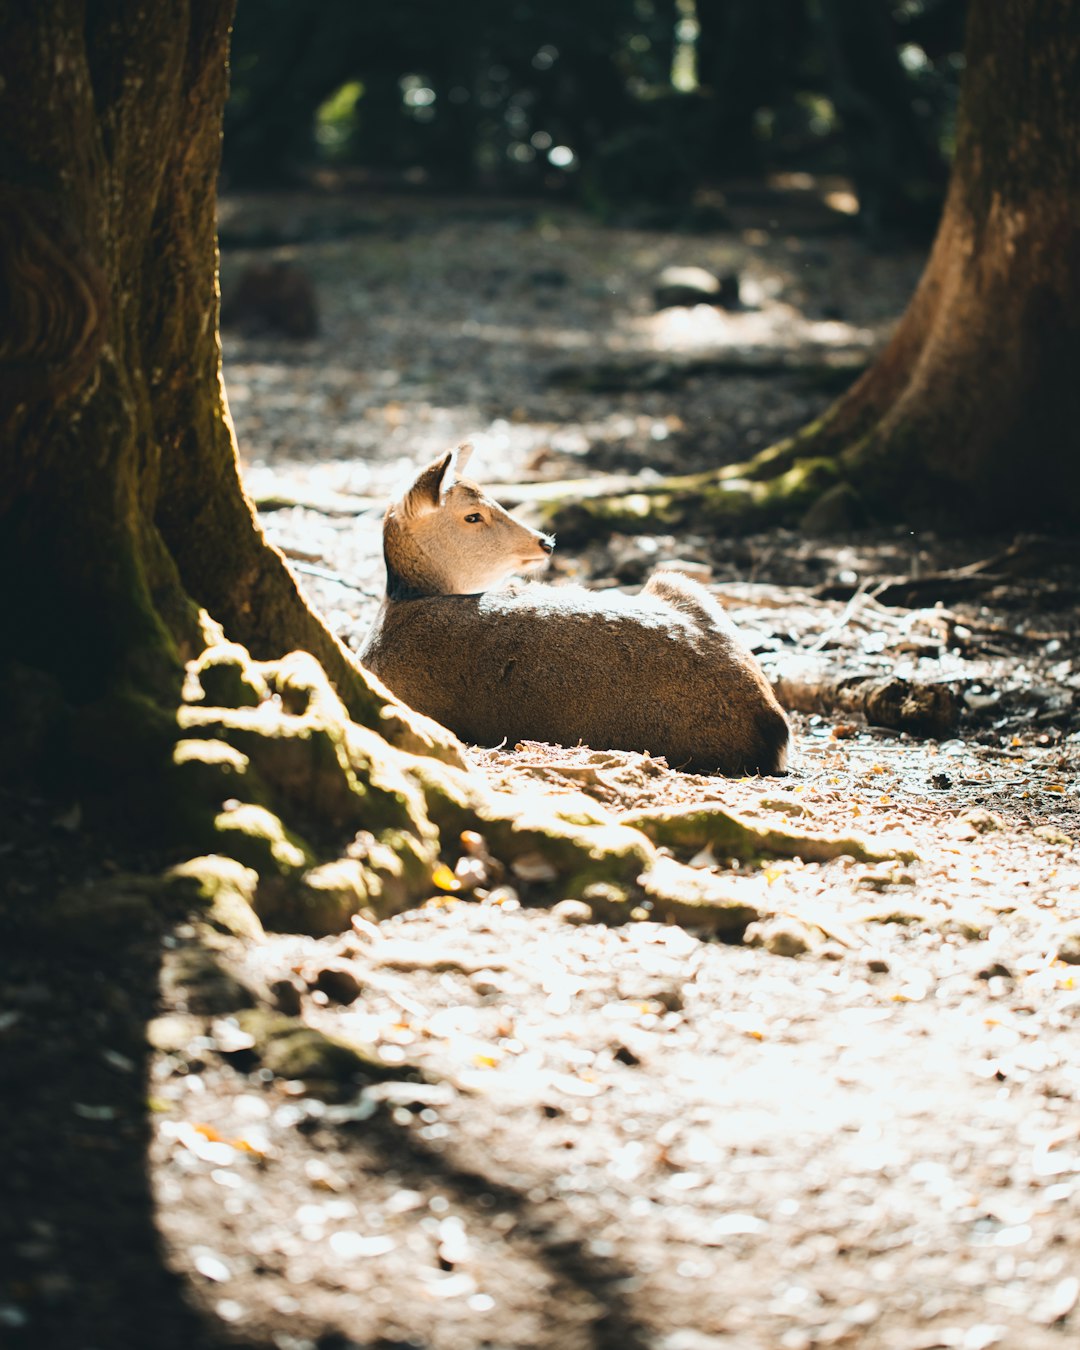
<point x="123" y="523"/>
<point x="121" y="509"/>
<point x="972" y="413"/>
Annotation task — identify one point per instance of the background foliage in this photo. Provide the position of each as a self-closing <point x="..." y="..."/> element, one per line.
<point x="619" y="102"/>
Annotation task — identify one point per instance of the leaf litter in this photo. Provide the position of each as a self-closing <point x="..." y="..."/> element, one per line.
<point x="854" y="1127"/>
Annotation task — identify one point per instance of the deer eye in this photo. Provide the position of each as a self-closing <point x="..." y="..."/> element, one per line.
<point x="474" y="519"/>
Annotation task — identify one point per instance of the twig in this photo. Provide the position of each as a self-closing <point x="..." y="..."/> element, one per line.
<point x="863" y="597"/>
<point x="324" y="574"/>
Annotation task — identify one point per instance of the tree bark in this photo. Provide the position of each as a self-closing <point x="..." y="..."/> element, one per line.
<point x="121" y="508"/>
<point x="971" y="416"/>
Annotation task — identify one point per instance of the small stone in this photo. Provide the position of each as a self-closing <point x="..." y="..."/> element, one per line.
<point x="172" y="1033"/>
<point x="286" y="994"/>
<point x="1050" y="834"/>
<point x="230" y="1038"/>
<point x="782" y="937"/>
<point x="337" y="982"/>
<point x="877" y="965"/>
<point x="533" y="867"/>
<point x="695" y="286"/>
<point x="1060" y="1301"/>
<point x="572" y="911"/>
<point x="1069" y="944"/>
<point x="995" y="971"/>
<point x="625" y="1054"/>
<point x="982" y="821"/>
<point x="489" y="983"/>
<point x="667" y="996"/>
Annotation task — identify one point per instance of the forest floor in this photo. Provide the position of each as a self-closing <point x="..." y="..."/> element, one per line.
<point x="859" y="1126"/>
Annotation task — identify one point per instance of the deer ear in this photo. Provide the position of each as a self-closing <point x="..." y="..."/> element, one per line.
<point x="427" y="487"/>
<point x="431" y="485"/>
<point x="459" y="458"/>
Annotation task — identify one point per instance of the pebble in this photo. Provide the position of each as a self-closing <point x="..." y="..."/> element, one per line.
<point x="337" y="982"/>
<point x="287" y="996"/>
<point x="572" y="911"/>
<point x="782" y="937"/>
<point x="1069" y="944"/>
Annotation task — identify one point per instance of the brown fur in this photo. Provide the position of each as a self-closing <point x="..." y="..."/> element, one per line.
<point x="662" y="671"/>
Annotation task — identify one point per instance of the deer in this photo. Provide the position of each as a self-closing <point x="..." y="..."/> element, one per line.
<point x="499" y="660"/>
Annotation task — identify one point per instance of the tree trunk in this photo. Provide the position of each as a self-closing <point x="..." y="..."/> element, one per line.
<point x="122" y="515"/>
<point x="971" y="416"/>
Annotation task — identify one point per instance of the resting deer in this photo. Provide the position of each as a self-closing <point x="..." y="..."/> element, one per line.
<point x="662" y="671"/>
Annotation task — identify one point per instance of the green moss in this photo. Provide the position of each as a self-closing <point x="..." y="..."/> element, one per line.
<point x="257" y="838"/>
<point x="225" y="888"/>
<point x="228" y="678"/>
<point x="692" y="828"/>
<point x="696" y="899"/>
<point x="291" y="1049"/>
<point x="776" y="486"/>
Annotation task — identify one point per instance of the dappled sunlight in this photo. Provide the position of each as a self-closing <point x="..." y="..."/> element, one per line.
<point x="452" y="329"/>
<point x="765" y="323"/>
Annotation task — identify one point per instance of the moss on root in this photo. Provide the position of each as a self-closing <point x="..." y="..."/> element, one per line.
<point x="728" y="835"/>
<point x="776" y="487"/>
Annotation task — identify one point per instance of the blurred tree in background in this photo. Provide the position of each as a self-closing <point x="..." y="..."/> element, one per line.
<point x="619" y="102"/>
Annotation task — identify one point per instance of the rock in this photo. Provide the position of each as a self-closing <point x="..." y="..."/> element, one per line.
<point x="1069" y="944"/>
<point x="287" y="995"/>
<point x="695" y="286"/>
<point x="978" y="820"/>
<point x="490" y="983"/>
<point x="606" y="900"/>
<point x="533" y="867"/>
<point x="1050" y="834"/>
<point x="276" y="297"/>
<point x="572" y="911"/>
<point x="995" y="971"/>
<point x="782" y="936"/>
<point x="668" y="996"/>
<point x="290" y="1049"/>
<point x="173" y="1032"/>
<point x="338" y="982"/>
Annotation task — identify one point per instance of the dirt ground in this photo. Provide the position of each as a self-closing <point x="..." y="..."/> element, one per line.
<point x="857" y="1125"/>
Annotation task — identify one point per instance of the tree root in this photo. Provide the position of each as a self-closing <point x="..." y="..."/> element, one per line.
<point x="692" y="828"/>
<point x="774" y="488"/>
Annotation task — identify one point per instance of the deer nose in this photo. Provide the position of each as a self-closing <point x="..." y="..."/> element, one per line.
<point x="548" y="545"/>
